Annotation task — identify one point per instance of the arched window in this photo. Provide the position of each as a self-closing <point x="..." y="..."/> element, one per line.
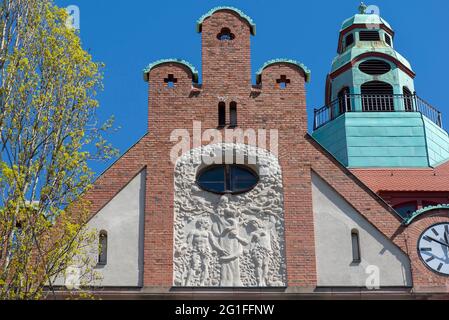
<point x="233" y="179"/>
<point x="221" y="114"/>
<point x="408" y="99"/>
<point x="225" y="35"/>
<point x="103" y="248"/>
<point x="344" y="100"/>
<point x="377" y="96"/>
<point x="406" y="209"/>
<point x="233" y="114"/>
<point x="356" y="252"/>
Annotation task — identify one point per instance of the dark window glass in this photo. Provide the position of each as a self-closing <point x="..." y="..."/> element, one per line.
<point x="213" y="180"/>
<point x="375" y="67"/>
<point x="349" y="40"/>
<point x="356" y="257"/>
<point x="369" y="36"/>
<point x="227" y="179"/>
<point x="233" y="114"/>
<point x="388" y="39"/>
<point x="405" y="210"/>
<point x="221" y="114"/>
<point x="241" y="179"/>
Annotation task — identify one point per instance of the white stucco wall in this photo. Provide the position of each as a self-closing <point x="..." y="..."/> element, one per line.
<point x="334" y="221"/>
<point x="123" y="219"/>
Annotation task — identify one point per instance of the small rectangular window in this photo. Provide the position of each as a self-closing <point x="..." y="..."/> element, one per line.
<point x="233" y="112"/>
<point x="222" y="114"/>
<point x="349" y="40"/>
<point x="369" y="36"/>
<point x="356" y="258"/>
<point x="388" y="39"/>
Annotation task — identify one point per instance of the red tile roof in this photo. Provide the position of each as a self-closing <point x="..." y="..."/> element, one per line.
<point x="426" y="179"/>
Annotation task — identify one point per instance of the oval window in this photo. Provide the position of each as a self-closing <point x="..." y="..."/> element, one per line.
<point x="375" y="67"/>
<point x="227" y="179"/>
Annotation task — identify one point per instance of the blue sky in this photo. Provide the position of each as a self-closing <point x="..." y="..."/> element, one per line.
<point x="127" y="36"/>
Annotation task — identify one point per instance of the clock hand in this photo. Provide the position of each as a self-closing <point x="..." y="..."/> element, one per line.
<point x="446" y="237"/>
<point x="438" y="241"/>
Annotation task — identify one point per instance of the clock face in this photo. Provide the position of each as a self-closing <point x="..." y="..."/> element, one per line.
<point x="433" y="248"/>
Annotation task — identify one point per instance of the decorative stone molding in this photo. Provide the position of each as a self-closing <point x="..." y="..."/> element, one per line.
<point x="229" y="240"/>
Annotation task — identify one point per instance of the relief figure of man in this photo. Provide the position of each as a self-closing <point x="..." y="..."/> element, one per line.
<point x="201" y="240"/>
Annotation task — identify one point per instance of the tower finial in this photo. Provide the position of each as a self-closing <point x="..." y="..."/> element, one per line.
<point x="362" y="8"/>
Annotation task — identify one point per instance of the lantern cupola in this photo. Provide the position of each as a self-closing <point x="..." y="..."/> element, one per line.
<point x="373" y="116"/>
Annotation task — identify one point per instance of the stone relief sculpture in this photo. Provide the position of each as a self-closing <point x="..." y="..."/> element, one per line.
<point x="200" y="240"/>
<point x="261" y="251"/>
<point x="229" y="240"/>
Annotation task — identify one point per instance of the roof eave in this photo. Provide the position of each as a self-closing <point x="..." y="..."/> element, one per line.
<point x="188" y="65"/>
<point x="240" y="13"/>
<point x="307" y="72"/>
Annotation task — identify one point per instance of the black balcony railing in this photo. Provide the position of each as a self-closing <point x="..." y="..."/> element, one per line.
<point x="375" y="103"/>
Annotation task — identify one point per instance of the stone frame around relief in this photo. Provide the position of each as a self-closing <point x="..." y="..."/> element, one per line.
<point x="229" y="240"/>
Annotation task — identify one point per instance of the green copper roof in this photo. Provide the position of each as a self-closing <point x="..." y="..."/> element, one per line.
<point x="306" y="70"/>
<point x="423" y="211"/>
<point x="364" y="19"/>
<point x="216" y="9"/>
<point x="151" y="66"/>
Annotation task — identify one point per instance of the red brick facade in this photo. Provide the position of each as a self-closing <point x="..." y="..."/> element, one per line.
<point x="227" y="77"/>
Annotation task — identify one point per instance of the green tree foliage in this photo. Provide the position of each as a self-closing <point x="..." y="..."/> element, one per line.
<point x="48" y="130"/>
